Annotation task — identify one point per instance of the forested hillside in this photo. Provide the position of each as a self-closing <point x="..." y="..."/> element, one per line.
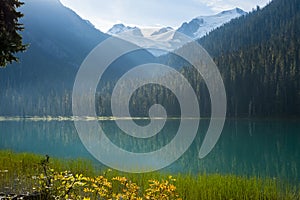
<point x="259" y="58"/>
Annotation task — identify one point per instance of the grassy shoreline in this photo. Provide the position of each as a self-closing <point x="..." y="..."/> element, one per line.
<point x="21" y="172"/>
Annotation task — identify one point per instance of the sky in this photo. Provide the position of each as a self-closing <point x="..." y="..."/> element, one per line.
<point x="152" y="13"/>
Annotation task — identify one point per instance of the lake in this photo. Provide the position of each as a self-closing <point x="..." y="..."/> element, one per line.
<point x="246" y="146"/>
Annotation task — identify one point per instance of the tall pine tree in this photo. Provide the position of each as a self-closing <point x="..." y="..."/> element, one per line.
<point x="10" y="38"/>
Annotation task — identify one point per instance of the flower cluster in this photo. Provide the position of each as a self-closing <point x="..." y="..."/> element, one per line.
<point x="65" y="185"/>
<point x="163" y="190"/>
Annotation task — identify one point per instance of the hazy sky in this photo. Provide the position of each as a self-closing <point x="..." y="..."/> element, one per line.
<point x="151" y="13"/>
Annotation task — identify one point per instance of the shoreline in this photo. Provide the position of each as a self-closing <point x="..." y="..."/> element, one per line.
<point x="20" y="171"/>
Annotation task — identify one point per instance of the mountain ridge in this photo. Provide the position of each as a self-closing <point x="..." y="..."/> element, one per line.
<point x="216" y="20"/>
<point x="160" y="41"/>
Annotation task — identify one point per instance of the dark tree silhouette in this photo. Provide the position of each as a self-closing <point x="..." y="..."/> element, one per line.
<point x="10" y="39"/>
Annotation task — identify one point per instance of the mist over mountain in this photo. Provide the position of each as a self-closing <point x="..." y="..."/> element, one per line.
<point x="58" y="41"/>
<point x="257" y="55"/>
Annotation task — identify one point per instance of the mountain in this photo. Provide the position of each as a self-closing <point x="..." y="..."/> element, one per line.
<point x="162" y="31"/>
<point x="120" y="28"/>
<point x="58" y="41"/>
<point x="196" y="28"/>
<point x="160" y="41"/>
<point x="157" y="41"/>
<point x="200" y="26"/>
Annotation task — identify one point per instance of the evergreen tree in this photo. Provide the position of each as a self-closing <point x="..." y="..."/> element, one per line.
<point x="10" y="39"/>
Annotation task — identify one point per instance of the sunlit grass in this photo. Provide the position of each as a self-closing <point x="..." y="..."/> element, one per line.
<point x="24" y="172"/>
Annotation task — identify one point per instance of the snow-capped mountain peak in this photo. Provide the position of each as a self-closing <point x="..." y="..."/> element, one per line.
<point x="157" y="41"/>
<point x="162" y="30"/>
<point x="120" y="28"/>
<point x="162" y="40"/>
<point x="200" y="26"/>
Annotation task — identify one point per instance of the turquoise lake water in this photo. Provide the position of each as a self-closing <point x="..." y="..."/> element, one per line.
<point x="246" y="147"/>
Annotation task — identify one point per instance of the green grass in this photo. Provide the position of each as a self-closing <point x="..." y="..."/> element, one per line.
<point x="18" y="172"/>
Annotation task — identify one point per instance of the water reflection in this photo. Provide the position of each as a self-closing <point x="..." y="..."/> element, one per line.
<point x="246" y="147"/>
